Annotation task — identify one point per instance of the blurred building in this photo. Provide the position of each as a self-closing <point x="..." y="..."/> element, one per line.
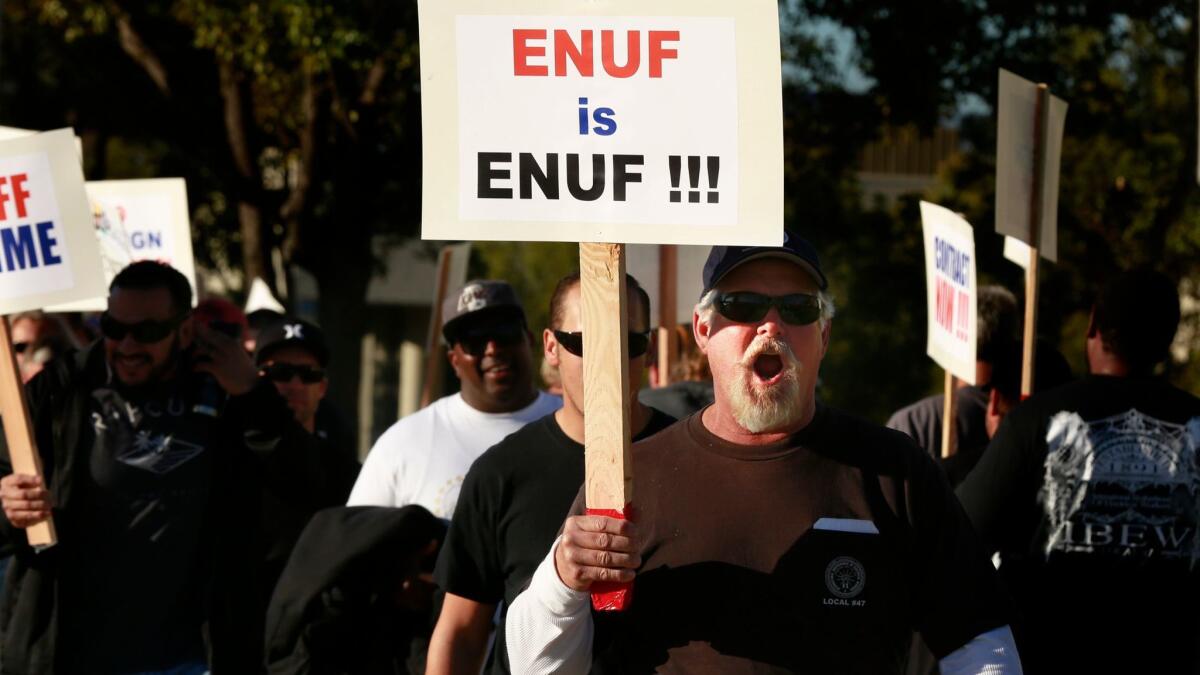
<point x="903" y="162"/>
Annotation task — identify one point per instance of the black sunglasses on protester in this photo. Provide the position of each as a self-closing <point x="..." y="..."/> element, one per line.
<point x="146" y="332"/>
<point x="284" y="372"/>
<point x="797" y="309"/>
<point x="474" y="341"/>
<point x="573" y="342"/>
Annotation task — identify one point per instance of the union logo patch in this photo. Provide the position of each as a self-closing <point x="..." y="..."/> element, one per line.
<point x="845" y="577"/>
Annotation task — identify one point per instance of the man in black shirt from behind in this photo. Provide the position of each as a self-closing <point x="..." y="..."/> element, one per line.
<point x="1090" y="494"/>
<point x="517" y="493"/>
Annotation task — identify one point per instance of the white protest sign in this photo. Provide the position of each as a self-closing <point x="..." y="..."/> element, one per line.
<point x="138" y="220"/>
<point x="950" y="290"/>
<point x="1015" y="171"/>
<point x="1017" y="251"/>
<point x="7" y="133"/>
<point x="47" y="251"/>
<point x="615" y="121"/>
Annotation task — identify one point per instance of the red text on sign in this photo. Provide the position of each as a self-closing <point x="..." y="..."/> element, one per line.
<point x="962" y="329"/>
<point x="952" y="309"/>
<point x="12" y="188"/>
<point x="530" y="43"/>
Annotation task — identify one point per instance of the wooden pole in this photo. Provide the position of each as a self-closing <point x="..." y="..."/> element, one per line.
<point x="18" y="431"/>
<point x="1040" y="124"/>
<point x="606" y="426"/>
<point x="949" y="419"/>
<point x="668" y="299"/>
<point x="434" y="349"/>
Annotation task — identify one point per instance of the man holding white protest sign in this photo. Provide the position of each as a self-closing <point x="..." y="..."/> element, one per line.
<point x="145" y="460"/>
<point x="520" y="99"/>
<point x="780" y="533"/>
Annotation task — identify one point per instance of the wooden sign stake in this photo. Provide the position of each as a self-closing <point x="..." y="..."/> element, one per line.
<point x="949" y="418"/>
<point x="1040" y="124"/>
<point x="434" y="349"/>
<point x="606" y="430"/>
<point x="668" y="274"/>
<point x="18" y="431"/>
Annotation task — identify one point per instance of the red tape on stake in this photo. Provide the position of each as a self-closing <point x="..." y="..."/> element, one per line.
<point x="612" y="596"/>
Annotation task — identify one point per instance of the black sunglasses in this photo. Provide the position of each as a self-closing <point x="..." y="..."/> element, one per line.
<point x="284" y="372"/>
<point x="573" y="342"/>
<point x="474" y="341"/>
<point x="146" y="332"/>
<point x="20" y="347"/>
<point x="797" y="309"/>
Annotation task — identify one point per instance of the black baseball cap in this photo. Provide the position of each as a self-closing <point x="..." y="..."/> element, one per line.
<point x="291" y="331"/>
<point x="723" y="259"/>
<point x="478" y="299"/>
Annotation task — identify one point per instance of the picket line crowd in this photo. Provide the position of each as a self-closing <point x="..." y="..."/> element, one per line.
<point x="211" y="516"/>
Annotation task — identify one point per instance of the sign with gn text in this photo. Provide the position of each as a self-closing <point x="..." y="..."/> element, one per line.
<point x="617" y="121"/>
<point x="138" y="220"/>
<point x="47" y="251"/>
<point x="950" y="290"/>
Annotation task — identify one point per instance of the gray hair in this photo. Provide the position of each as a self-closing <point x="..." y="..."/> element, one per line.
<point x="706" y="307"/>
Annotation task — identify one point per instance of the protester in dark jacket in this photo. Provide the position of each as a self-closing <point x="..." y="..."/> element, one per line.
<point x="351" y="598"/>
<point x="155" y="444"/>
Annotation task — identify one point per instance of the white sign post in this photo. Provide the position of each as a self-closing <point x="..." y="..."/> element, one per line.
<point x="48" y="255"/>
<point x="1030" y="125"/>
<point x="614" y="121"/>
<point x="950" y="290"/>
<point x="138" y="220"/>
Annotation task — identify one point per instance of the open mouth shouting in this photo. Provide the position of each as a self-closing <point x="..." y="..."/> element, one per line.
<point x="769" y="361"/>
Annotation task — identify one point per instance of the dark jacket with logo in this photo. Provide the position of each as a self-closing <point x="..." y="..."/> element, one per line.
<point x="257" y="447"/>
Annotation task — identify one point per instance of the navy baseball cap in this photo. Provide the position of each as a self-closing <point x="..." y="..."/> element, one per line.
<point x="480" y="298"/>
<point x="723" y="259"/>
<point x="291" y="331"/>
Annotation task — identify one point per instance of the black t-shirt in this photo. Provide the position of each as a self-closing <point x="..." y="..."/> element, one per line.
<point x="137" y="593"/>
<point x="1091" y="493"/>
<point x="819" y="554"/>
<point x="512" y="504"/>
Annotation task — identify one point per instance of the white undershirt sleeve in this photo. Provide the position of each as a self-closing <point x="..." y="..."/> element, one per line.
<point x="549" y="626"/>
<point x="990" y="653"/>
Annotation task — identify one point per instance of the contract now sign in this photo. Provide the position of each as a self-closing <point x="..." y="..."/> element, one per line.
<point x="951" y="287"/>
<point x="619" y="121"/>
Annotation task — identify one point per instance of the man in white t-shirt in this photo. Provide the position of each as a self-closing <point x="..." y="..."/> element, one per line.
<point x="423" y="458"/>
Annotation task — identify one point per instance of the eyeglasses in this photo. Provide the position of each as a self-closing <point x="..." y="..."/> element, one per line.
<point x="20" y="347"/>
<point x="797" y="309"/>
<point x="284" y="372"/>
<point x="146" y="332"/>
<point x="573" y="342"/>
<point x="475" y="341"/>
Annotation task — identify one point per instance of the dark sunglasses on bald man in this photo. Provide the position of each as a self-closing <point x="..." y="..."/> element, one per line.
<point x="284" y="372"/>
<point x="573" y="342"/>
<point x="474" y="340"/>
<point x="797" y="309"/>
<point x="146" y="332"/>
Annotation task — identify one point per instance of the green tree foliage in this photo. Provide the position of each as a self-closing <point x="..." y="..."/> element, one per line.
<point x="1127" y="197"/>
<point x="296" y="124"/>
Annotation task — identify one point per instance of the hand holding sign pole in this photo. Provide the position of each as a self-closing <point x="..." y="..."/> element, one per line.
<point x="560" y="120"/>
<point x="608" y="478"/>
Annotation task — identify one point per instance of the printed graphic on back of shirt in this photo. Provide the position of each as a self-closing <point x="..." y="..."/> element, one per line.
<point x="1124" y="486"/>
